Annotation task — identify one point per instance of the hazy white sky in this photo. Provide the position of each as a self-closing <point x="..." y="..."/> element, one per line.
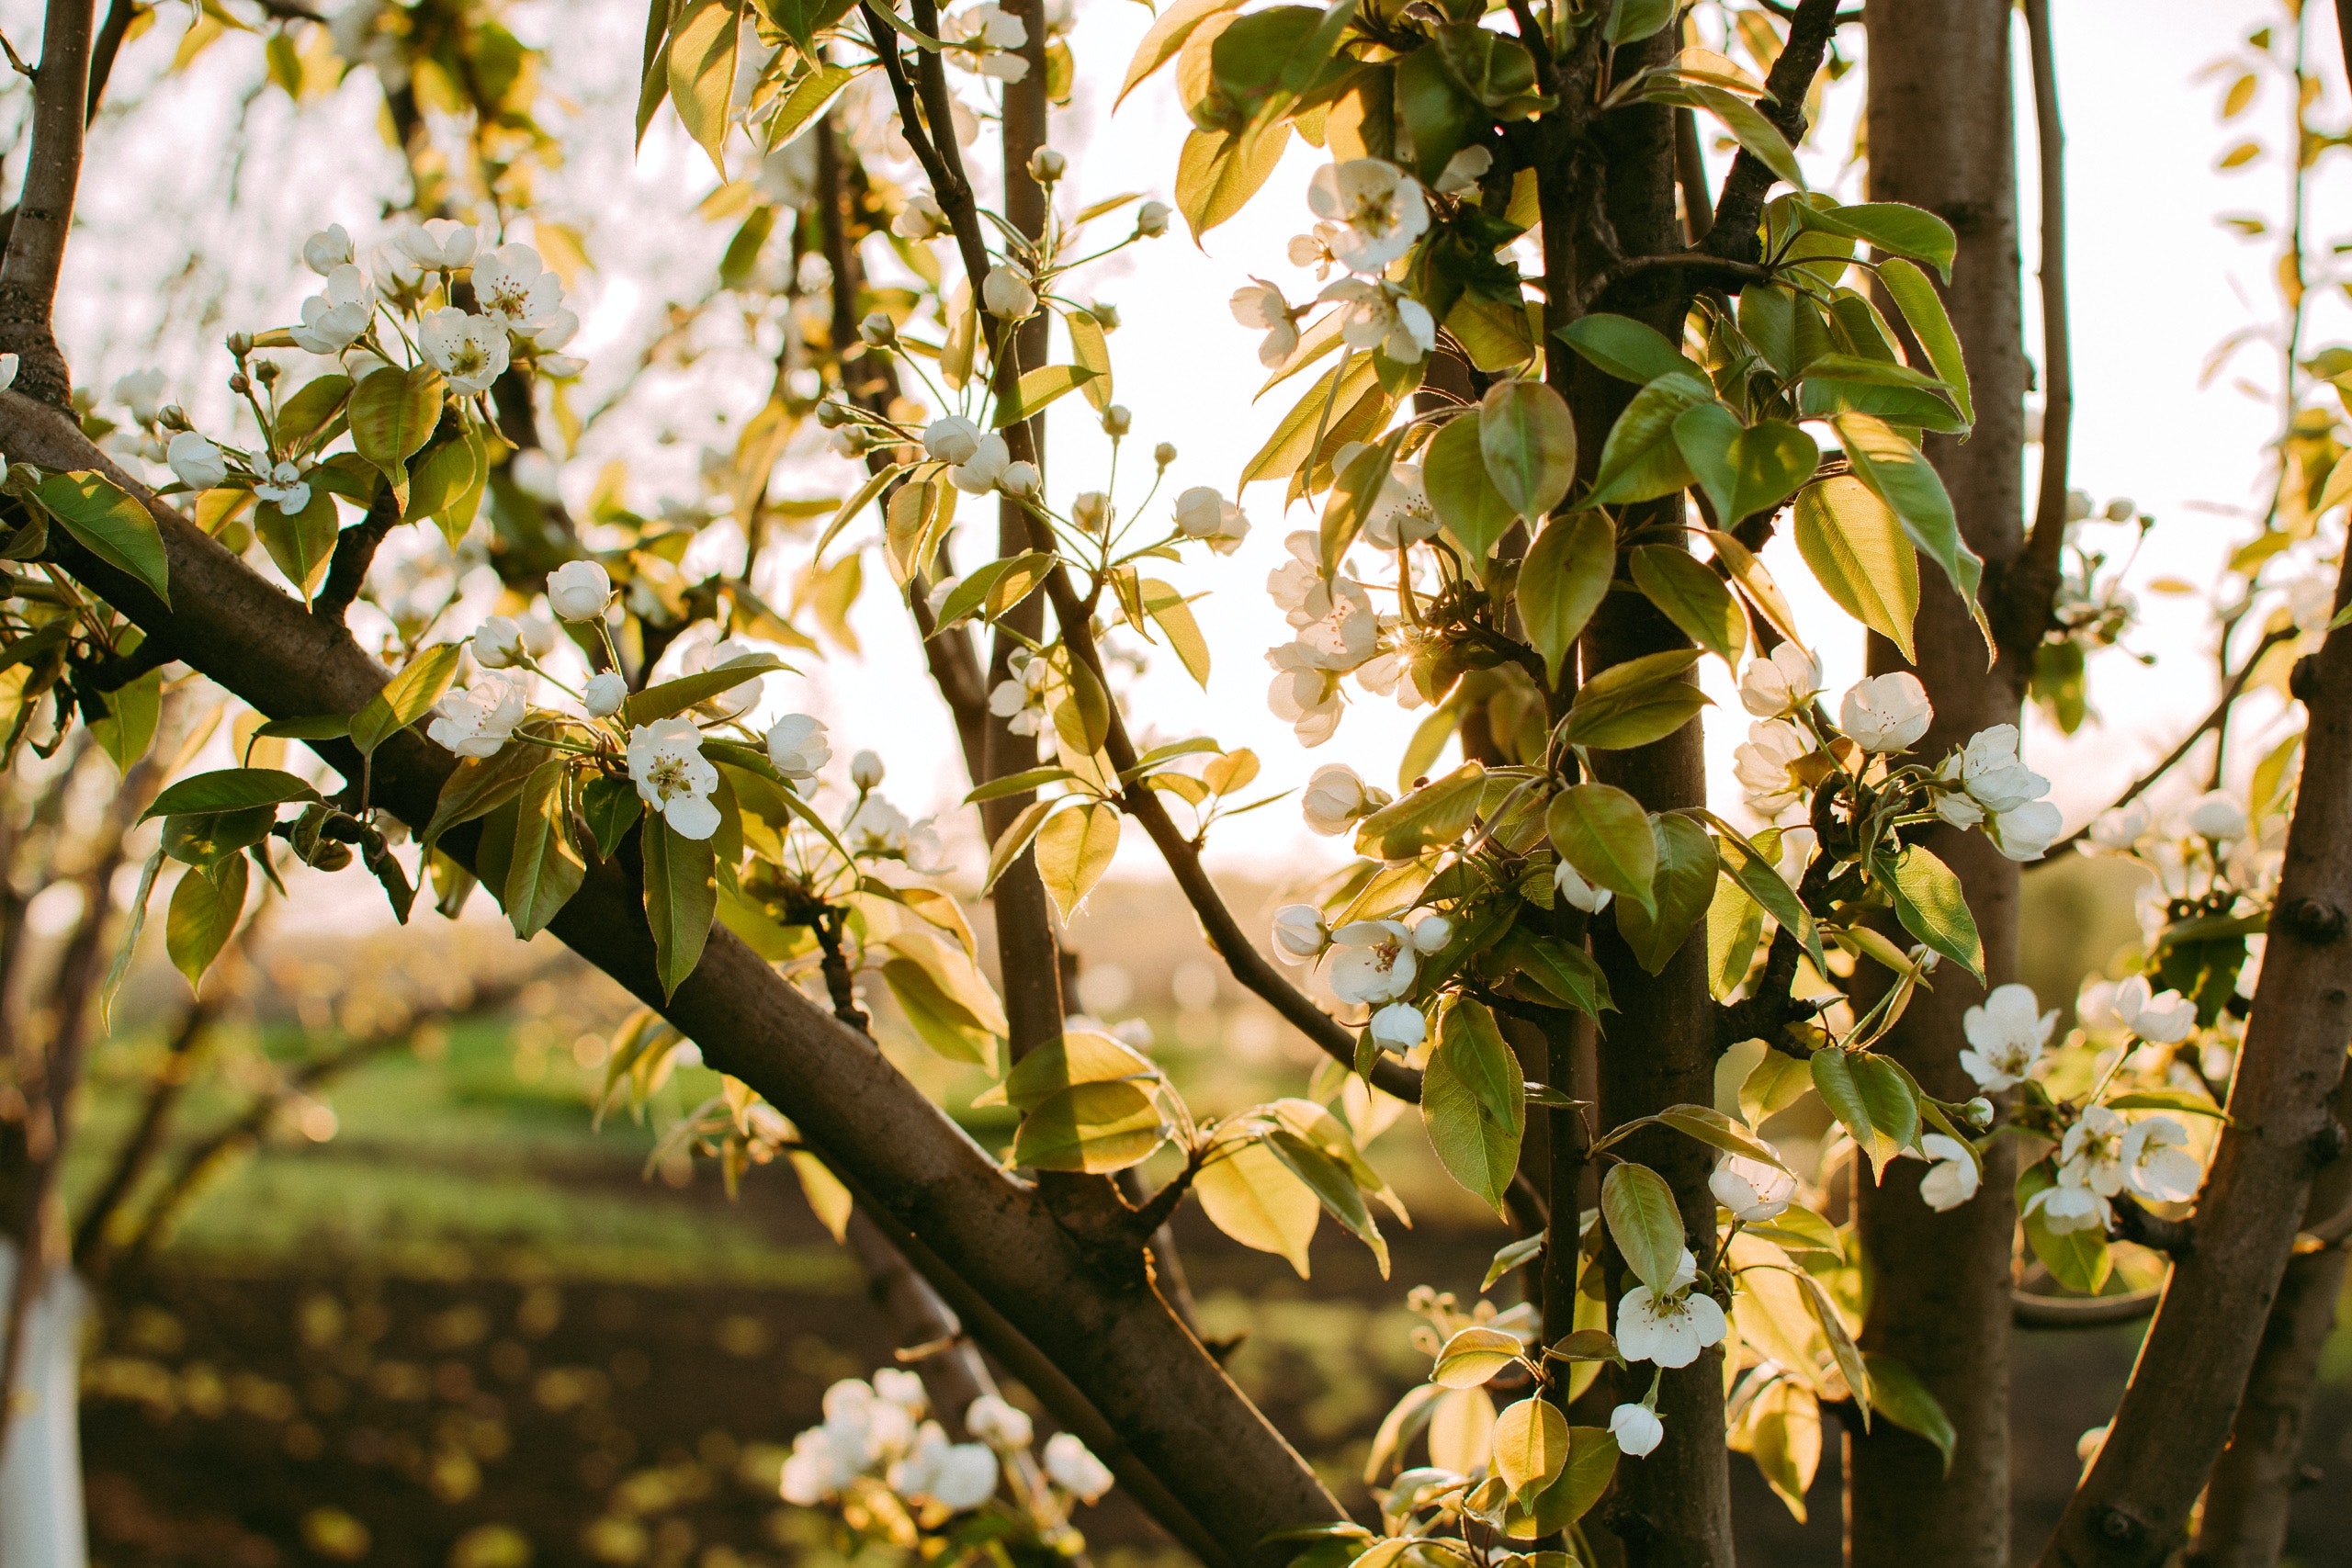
<point x="2157" y="283"/>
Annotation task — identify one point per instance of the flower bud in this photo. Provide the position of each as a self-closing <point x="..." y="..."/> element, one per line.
<point x="831" y="415"/>
<point x="2121" y="509"/>
<point x="865" y="770"/>
<point x="1398" y="1026"/>
<point x="579" y="591"/>
<point x="604" y="694"/>
<point x="170" y="416"/>
<point x="878" y="330"/>
<point x="1151" y="219"/>
<point x="239" y="385"/>
<point x="498" y="644"/>
<point x="1299" y="932"/>
<point x="1045" y="165"/>
<point x="1019" y="480"/>
<point x="1105" y="314"/>
<point x="951" y="440"/>
<point x="1979" y="1112"/>
<point x="241" y="344"/>
<point x="1164" y="453"/>
<point x="266" y="372"/>
<point x="1117" y="420"/>
<point x="1090" y="512"/>
<point x="1006" y="294"/>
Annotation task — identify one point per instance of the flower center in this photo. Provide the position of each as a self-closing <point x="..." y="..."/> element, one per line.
<point x="668" y="776"/>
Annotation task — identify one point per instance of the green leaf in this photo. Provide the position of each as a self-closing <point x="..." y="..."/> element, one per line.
<point x="1636" y="703"/>
<point x="1567" y="974"/>
<point x="611" y="807"/>
<point x="310" y="727"/>
<point x="1932" y="906"/>
<point x="1683" y="888"/>
<point x="213" y="837"/>
<point x="703" y="36"/>
<point x="1074" y="849"/>
<point x="449" y="473"/>
<point x="1903" y="1399"/>
<point x="1860" y="556"/>
<point x="1093" y="1127"/>
<point x="1073" y="1057"/>
<point x="1605" y="834"/>
<point x="1625" y="348"/>
<point x="1509" y="1256"/>
<point x="1644" y="1224"/>
<point x="939" y="1020"/>
<point x="1472" y="1357"/>
<point x="307" y="410"/>
<point x="1592" y="1461"/>
<point x="1767" y="461"/>
<point x="1021" y="782"/>
<point x="1092" y="348"/>
<point x="1531" y="1443"/>
<point x="1562" y="581"/>
<point x="406" y="697"/>
<point x="1901" y="476"/>
<point x="810" y="96"/>
<point x="1252" y="1197"/>
<point x="112" y="526"/>
<point x="128" y="948"/>
<point x="1833" y="1078"/>
<point x="479" y="785"/>
<point x="1924" y="310"/>
<point x="1333" y="1187"/>
<point x="1703" y="433"/>
<point x="1437" y="813"/>
<point x="1691" y="595"/>
<point x="133" y="709"/>
<point x="1749" y="129"/>
<point x="681" y="900"/>
<point x="546" y="869"/>
<point x="1219" y="172"/>
<point x="1711" y="1127"/>
<point x="1454" y="473"/>
<point x="2080" y="1260"/>
<point x="1630" y="20"/>
<point x="1530" y="445"/>
<point x="1474" y="1101"/>
<point x="1640" y="460"/>
<point x="1884" y="1089"/>
<point x="2187" y="1101"/>
<point x="1891" y="227"/>
<point x="230" y="789"/>
<point x="1842" y="1348"/>
<point x="204" y="912"/>
<point x="1035" y="390"/>
<point x="392" y="415"/>
<point x="300" y="545"/>
<point x="1286" y="449"/>
<point x="676" y="696"/>
<point x="1166" y="38"/>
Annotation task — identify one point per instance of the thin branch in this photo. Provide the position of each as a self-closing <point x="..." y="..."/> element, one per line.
<point x="1741" y="204"/>
<point x="45" y="208"/>
<point x="2175" y="1238"/>
<point x="2030" y="1311"/>
<point x="2030" y="584"/>
<point x="120" y="16"/>
<point x="354" y="552"/>
<point x="1714" y="268"/>
<point x="1690" y="174"/>
<point x="1789" y="12"/>
<point x="2172" y="760"/>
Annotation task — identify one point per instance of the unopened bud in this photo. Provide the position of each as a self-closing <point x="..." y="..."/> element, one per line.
<point x="239" y="385"/>
<point x="241" y="344"/>
<point x="1045" y="165"/>
<point x="831" y="416"/>
<point x="1164" y="453"/>
<point x="1105" y="314"/>
<point x="170" y="416"/>
<point x="878" y="330"/>
<point x="850" y="442"/>
<point x="1979" y="1112"/>
<point x="1117" y="420"/>
<point x="865" y="770"/>
<point x="266" y="372"/>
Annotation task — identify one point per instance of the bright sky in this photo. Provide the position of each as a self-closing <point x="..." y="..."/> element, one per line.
<point x="2157" y="283"/>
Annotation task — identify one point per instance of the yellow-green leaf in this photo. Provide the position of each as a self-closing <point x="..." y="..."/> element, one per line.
<point x="1860" y="556"/>
<point x="109" y="523"/>
<point x="1074" y="849"/>
<point x="1563" y="580"/>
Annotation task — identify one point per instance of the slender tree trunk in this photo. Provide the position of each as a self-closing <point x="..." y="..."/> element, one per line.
<point x="1940" y="137"/>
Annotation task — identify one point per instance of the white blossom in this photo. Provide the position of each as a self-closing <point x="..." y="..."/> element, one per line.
<point x="196" y="462"/>
<point x="1373" y="962"/>
<point x="1952" y="1178"/>
<point x="1463" y="171"/>
<point x="1260" y="307"/>
<point x="1885" y="713"/>
<point x="1672" y="1329"/>
<point x="1570" y="884"/>
<point x="1431" y="933"/>
<point x="1752" y="1189"/>
<point x="922" y="219"/>
<point x="559" y="328"/>
<point x="979" y="473"/>
<point x="604" y="694"/>
<point x="1377" y="209"/>
<point x="1151" y="219"/>
<point x="797" y="746"/>
<point x="439" y="244"/>
<point x="1303" y="693"/>
<point x="1382" y="316"/>
<point x="1401" y="515"/>
<point x="997" y="1424"/>
<point x="579" y="591"/>
<point x="1298" y="587"/>
<point x="1203" y="513"/>
<point x="2163" y="1018"/>
<point x="1797" y="847"/>
<point x="285" y="489"/>
<point x="469" y="349"/>
<point x="1091" y="510"/>
<point x="1021" y="478"/>
<point x="1337" y="797"/>
<point x="498" y="643"/>
<point x="1299" y="933"/>
<point x="2006" y="1036"/>
<point x="673" y="777"/>
<point x="333" y="321"/>
<point x="1004" y="292"/>
<point x="1780" y="683"/>
<point x="1398" y="1026"/>
<point x="736" y="700"/>
<point x="2026" y="833"/>
<point x="1073" y="1466"/>
<point x="2119" y="829"/>
<point x="2157" y="1161"/>
<point x="327" y="249"/>
<point x="1761" y="765"/>
<point x="1637" y="1427"/>
<point x="511" y="287"/>
<point x="1994" y="774"/>
<point x="477" y="723"/>
<point x="2311" y="602"/>
<point x="2217" y="816"/>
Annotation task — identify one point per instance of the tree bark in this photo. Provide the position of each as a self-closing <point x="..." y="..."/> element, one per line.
<point x="2134" y="1506"/>
<point x="1083" y="1329"/>
<point x="1940" y="138"/>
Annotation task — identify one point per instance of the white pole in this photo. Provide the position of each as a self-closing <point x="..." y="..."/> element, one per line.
<point x="40" y="1448"/>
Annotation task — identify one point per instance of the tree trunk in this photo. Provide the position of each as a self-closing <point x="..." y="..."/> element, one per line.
<point x="2132" y="1507"/>
<point x="1940" y="137"/>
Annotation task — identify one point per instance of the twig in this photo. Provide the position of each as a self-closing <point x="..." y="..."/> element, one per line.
<point x="354" y="552"/>
<point x="2030" y="584"/>
<point x="2030" y="1311"/>
<point x="2175" y="1238"/>
<point x="120" y="16"/>
<point x="2140" y="786"/>
<point x="1716" y="266"/>
<point x="1789" y="12"/>
<point x="1741" y="204"/>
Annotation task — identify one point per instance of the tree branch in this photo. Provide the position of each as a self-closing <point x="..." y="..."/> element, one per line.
<point x="2029" y="582"/>
<point x="1123" y="1371"/>
<point x="45" y="207"/>
<point x="2132" y="1506"/>
<point x="2030" y="1311"/>
<point x="1710" y="269"/>
<point x="354" y="552"/>
<point x="1740" y="205"/>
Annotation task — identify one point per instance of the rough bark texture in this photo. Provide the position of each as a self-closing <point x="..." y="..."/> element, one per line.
<point x="44" y="211"/>
<point x="2132" y="1508"/>
<point x="1083" y="1329"/>
<point x="1940" y="138"/>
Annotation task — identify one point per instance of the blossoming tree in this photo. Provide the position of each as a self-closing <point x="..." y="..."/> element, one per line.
<point x="1553" y="396"/>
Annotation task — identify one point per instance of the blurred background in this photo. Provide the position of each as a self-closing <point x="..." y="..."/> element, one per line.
<point x="375" y="1285"/>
